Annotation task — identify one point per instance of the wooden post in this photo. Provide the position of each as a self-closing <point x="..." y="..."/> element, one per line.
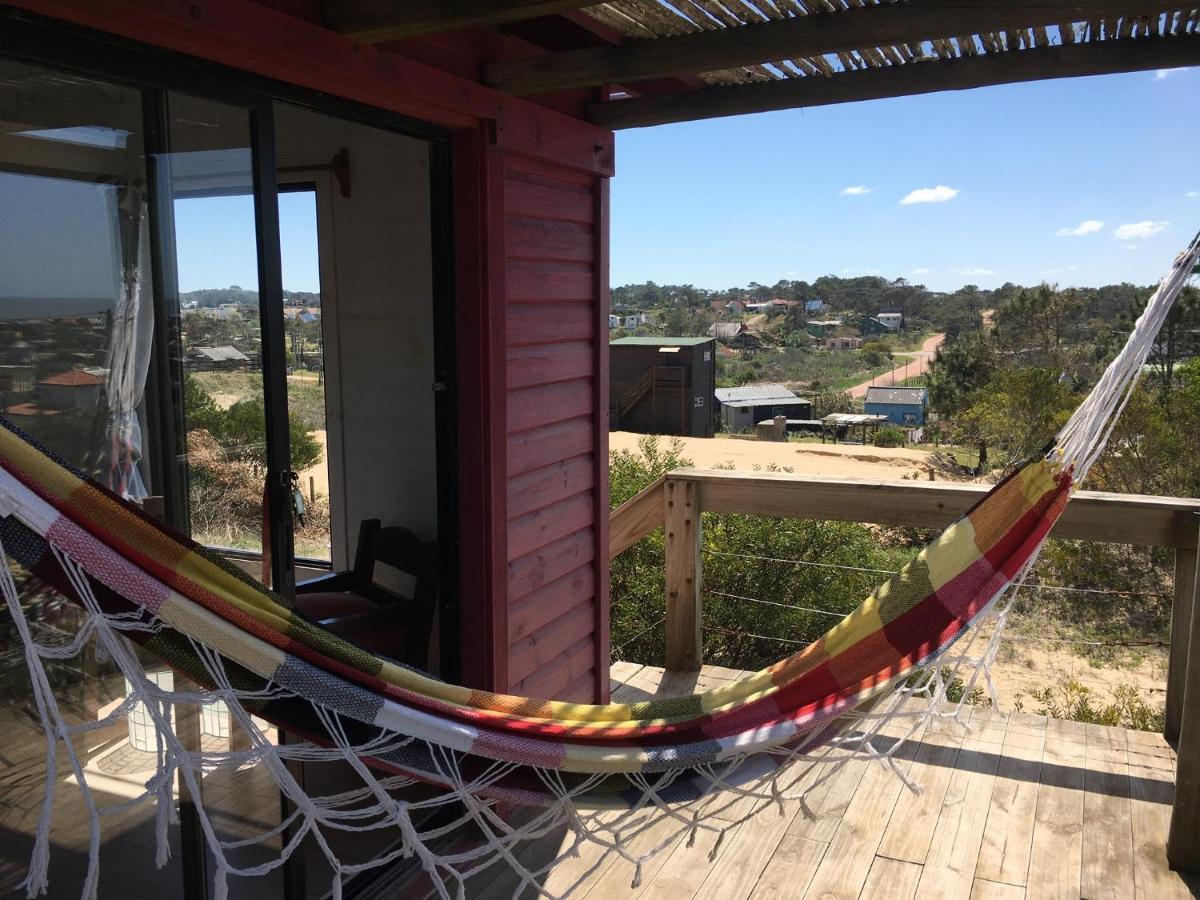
<point x="1183" y="840"/>
<point x="682" y="519"/>
<point x="1181" y="627"/>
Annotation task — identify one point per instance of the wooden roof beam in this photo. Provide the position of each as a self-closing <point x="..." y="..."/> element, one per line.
<point x="799" y="36"/>
<point x="375" y="21"/>
<point x="1038" y="64"/>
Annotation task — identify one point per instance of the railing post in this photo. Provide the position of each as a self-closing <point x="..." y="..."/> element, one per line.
<point x="1183" y="701"/>
<point x="1181" y="628"/>
<point x="682" y="519"/>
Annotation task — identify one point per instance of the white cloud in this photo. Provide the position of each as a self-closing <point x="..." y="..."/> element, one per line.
<point x="856" y="190"/>
<point x="939" y="194"/>
<point x="1164" y="74"/>
<point x="1087" y="226"/>
<point x="920" y="270"/>
<point x="976" y="270"/>
<point x="1138" y="231"/>
<point x="1192" y="194"/>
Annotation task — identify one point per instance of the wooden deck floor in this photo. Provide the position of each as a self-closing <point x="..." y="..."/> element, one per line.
<point x="1021" y="807"/>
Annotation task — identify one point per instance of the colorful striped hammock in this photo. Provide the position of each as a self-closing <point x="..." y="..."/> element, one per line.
<point x="604" y="771"/>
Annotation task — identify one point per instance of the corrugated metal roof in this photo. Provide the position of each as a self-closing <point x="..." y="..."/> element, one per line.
<point x="659" y="341"/>
<point x="772" y="401"/>
<point x="754" y="392"/>
<point x="902" y="395"/>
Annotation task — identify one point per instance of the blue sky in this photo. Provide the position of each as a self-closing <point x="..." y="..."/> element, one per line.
<point x="723" y="202"/>
<point x="216" y="248"/>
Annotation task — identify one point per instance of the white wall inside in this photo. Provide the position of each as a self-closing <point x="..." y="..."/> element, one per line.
<point x="377" y="312"/>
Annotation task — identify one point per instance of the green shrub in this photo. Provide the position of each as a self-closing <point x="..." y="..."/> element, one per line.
<point x="890" y="437"/>
<point x="743" y="557"/>
<point x="1077" y="703"/>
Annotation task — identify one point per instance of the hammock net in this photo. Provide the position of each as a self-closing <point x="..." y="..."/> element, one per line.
<point x="631" y="778"/>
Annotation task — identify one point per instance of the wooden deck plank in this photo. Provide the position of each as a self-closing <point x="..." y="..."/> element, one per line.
<point x="949" y="869"/>
<point x="983" y="889"/>
<point x="745" y="856"/>
<point x="1151" y="793"/>
<point x="1107" y="864"/>
<point x="891" y="879"/>
<point x="687" y="868"/>
<point x="910" y="830"/>
<point x="1057" y="851"/>
<point x="844" y="869"/>
<point x="790" y="871"/>
<point x="1008" y="834"/>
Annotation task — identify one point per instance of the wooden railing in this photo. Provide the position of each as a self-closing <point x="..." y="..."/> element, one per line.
<point x="677" y="501"/>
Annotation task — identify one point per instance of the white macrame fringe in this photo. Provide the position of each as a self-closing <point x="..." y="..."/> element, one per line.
<point x="783" y="775"/>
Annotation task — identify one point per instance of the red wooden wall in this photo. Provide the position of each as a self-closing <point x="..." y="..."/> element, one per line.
<point x="531" y="306"/>
<point x="556" y="384"/>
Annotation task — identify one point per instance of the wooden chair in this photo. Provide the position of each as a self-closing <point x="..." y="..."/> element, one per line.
<point x="352" y="605"/>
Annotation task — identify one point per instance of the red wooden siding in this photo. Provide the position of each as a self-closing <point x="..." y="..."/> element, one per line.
<point x="557" y="510"/>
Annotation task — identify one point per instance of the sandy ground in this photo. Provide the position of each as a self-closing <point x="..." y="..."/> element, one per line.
<point x="917" y="364"/>
<point x="835" y="460"/>
<point x="1023" y="666"/>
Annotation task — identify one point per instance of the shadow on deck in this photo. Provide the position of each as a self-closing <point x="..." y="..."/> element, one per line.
<point x="1020" y="806"/>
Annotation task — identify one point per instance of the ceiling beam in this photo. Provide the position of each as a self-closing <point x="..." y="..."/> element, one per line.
<point x="800" y="36"/>
<point x="375" y="21"/>
<point x="1066" y="61"/>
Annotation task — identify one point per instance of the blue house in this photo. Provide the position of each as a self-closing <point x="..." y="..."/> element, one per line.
<point x="813" y="306"/>
<point x="903" y="406"/>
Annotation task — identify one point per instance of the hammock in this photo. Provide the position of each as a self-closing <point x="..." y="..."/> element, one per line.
<point x="607" y="773"/>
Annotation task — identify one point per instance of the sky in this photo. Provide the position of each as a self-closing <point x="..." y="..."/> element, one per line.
<point x="216" y="247"/>
<point x="1082" y="181"/>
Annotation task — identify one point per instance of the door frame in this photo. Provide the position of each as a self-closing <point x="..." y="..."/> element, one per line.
<point x="43" y="41"/>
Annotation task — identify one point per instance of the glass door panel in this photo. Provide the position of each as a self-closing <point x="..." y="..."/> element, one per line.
<point x="77" y="318"/>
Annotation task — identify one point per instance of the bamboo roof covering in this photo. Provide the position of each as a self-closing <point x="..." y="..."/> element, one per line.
<point x="656" y="61"/>
<point x="1084" y="37"/>
<point x="648" y="19"/>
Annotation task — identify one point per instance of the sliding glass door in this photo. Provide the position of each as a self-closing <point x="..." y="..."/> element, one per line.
<point x="142" y="341"/>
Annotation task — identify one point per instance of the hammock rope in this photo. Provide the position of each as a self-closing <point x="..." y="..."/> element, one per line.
<point x="619" y="776"/>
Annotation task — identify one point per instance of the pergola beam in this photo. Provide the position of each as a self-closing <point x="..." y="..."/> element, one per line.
<point x="374" y="21"/>
<point x="1066" y="61"/>
<point x="906" y="21"/>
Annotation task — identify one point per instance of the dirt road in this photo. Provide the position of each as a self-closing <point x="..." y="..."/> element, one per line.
<point x="917" y="364"/>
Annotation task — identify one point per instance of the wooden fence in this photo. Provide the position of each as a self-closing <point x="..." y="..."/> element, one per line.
<point x="677" y="501"/>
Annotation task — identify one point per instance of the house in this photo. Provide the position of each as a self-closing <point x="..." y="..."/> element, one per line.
<point x="633" y="320"/>
<point x="813" y="306"/>
<point x="744" y="407"/>
<point x="662" y="385"/>
<point x="820" y="328"/>
<point x="902" y="405"/>
<point x="614" y="322"/>
<point x="872" y="325"/>
<point x="891" y="319"/>
<point x="736" y="307"/>
<point x="464" y="263"/>
<point x="726" y="331"/>
<point x="75" y="389"/>
<point x="217" y="358"/>
<point x="848" y="342"/>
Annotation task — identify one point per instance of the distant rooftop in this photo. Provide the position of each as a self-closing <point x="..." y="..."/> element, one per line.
<point x="222" y="354"/>
<point x="660" y="341"/>
<point x="74" y="378"/>
<point x="914" y="395"/>
<point x="754" y="392"/>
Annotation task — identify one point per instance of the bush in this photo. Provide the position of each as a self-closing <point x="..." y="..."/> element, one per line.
<point x="890" y="437"/>
<point x="743" y="557"/>
<point x="1076" y="703"/>
<point x="241" y="429"/>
